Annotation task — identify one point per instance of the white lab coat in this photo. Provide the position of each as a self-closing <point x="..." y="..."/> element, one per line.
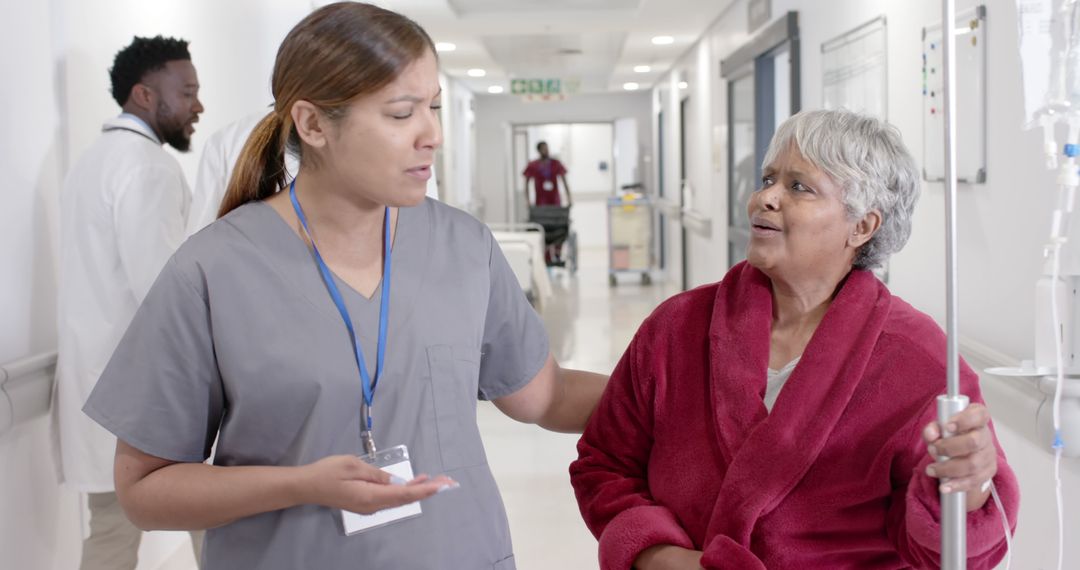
<point x="215" y="167"/>
<point x="219" y="157"/>
<point x="123" y="209"/>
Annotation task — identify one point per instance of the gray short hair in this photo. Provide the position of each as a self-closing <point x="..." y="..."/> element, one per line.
<point x="868" y="159"/>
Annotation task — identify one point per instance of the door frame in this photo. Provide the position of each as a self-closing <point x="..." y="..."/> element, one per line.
<point x="756" y="57"/>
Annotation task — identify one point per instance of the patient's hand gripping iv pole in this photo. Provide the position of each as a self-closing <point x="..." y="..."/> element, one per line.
<point x="953" y="505"/>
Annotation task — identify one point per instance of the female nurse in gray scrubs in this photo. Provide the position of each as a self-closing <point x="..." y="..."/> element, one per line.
<point x="247" y="337"/>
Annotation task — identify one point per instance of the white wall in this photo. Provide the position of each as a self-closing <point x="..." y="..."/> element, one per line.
<point x="581" y="147"/>
<point x="628" y="167"/>
<point x="496" y="113"/>
<point x="1002" y="224"/>
<point x="458" y="150"/>
<point x="591" y="144"/>
<point x="31" y="148"/>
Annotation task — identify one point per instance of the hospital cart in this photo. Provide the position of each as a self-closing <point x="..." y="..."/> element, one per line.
<point x="630" y="220"/>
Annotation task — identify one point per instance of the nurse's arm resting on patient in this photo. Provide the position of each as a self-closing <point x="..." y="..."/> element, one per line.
<point x="158" y="494"/>
<point x="557" y="399"/>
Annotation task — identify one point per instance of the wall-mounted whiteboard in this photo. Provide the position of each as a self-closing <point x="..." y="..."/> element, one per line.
<point x="970" y="57"/>
<point x="855" y="70"/>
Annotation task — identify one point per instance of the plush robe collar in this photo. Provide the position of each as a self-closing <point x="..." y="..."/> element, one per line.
<point x="768" y="454"/>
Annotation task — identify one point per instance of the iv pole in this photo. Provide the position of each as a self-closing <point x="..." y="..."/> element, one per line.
<point x="953" y="505"/>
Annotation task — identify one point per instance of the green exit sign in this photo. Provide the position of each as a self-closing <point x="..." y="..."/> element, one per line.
<point x="536" y="87"/>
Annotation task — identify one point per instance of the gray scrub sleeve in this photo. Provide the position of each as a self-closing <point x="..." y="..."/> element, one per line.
<point x="161" y="391"/>
<point x="515" y="343"/>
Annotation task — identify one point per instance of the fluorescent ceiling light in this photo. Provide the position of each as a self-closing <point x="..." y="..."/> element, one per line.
<point x="642" y="69"/>
<point x="631" y="86"/>
<point x="495" y="89"/>
<point x="476" y="72"/>
<point x="663" y="40"/>
<point x="445" y="46"/>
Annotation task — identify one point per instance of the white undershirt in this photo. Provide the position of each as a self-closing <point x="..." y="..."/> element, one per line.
<point x="776" y="381"/>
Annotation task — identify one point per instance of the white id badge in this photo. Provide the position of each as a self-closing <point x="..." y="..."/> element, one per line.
<point x="393" y="460"/>
<point x="549" y="185"/>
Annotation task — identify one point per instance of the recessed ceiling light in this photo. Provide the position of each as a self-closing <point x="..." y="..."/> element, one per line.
<point x="683" y="85"/>
<point x="663" y="40"/>
<point x="642" y="69"/>
<point x="476" y="72"/>
<point x="631" y="86"/>
<point x="445" y="46"/>
<point x="495" y="89"/>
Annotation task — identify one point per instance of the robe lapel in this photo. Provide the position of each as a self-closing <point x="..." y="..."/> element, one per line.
<point x="739" y="355"/>
<point x="768" y="454"/>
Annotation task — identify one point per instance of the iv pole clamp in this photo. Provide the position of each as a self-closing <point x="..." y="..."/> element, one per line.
<point x="953" y="505"/>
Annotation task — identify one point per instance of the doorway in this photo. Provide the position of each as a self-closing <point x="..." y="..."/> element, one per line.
<point x="762" y="91"/>
<point x="587" y="151"/>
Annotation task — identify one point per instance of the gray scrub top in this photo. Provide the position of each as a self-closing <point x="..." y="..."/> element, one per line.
<point x="239" y="339"/>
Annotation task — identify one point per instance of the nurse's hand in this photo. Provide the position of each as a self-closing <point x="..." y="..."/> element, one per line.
<point x="972" y="457"/>
<point x="348" y="482"/>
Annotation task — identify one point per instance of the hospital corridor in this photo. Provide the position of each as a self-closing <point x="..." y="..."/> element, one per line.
<point x="536" y="284"/>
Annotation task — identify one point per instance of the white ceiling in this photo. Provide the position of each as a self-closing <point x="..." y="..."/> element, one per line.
<point x="471" y="7"/>
<point x="538" y="39"/>
<point x="588" y="58"/>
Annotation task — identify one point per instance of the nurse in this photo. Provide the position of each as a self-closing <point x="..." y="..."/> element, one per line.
<point x="318" y="321"/>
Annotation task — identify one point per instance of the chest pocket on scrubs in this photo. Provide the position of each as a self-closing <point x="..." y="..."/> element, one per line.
<point x="455" y="374"/>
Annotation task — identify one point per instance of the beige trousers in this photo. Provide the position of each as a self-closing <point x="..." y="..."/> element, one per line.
<point x="113" y="543"/>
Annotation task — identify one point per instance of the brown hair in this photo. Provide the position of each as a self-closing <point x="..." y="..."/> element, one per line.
<point x="337" y="53"/>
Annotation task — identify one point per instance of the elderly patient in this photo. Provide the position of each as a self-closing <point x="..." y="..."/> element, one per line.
<point x="784" y="417"/>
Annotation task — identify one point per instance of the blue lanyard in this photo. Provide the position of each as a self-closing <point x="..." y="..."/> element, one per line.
<point x="384" y="311"/>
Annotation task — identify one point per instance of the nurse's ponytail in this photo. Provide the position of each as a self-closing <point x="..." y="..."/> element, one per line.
<point x="260" y="170"/>
<point x="338" y="53"/>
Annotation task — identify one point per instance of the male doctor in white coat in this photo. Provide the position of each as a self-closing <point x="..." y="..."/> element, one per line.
<point x="123" y="209"/>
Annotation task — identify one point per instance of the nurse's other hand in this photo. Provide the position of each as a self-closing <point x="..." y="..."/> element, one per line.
<point x="348" y="482"/>
<point x="972" y="457"/>
<point x="668" y="557"/>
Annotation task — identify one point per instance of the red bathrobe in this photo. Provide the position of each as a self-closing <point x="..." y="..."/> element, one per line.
<point x="682" y="450"/>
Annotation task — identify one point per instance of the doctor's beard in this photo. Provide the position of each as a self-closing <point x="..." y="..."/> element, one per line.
<point x="172" y="128"/>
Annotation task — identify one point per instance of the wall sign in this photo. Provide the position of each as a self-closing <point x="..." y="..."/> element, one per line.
<point x="760" y="12"/>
